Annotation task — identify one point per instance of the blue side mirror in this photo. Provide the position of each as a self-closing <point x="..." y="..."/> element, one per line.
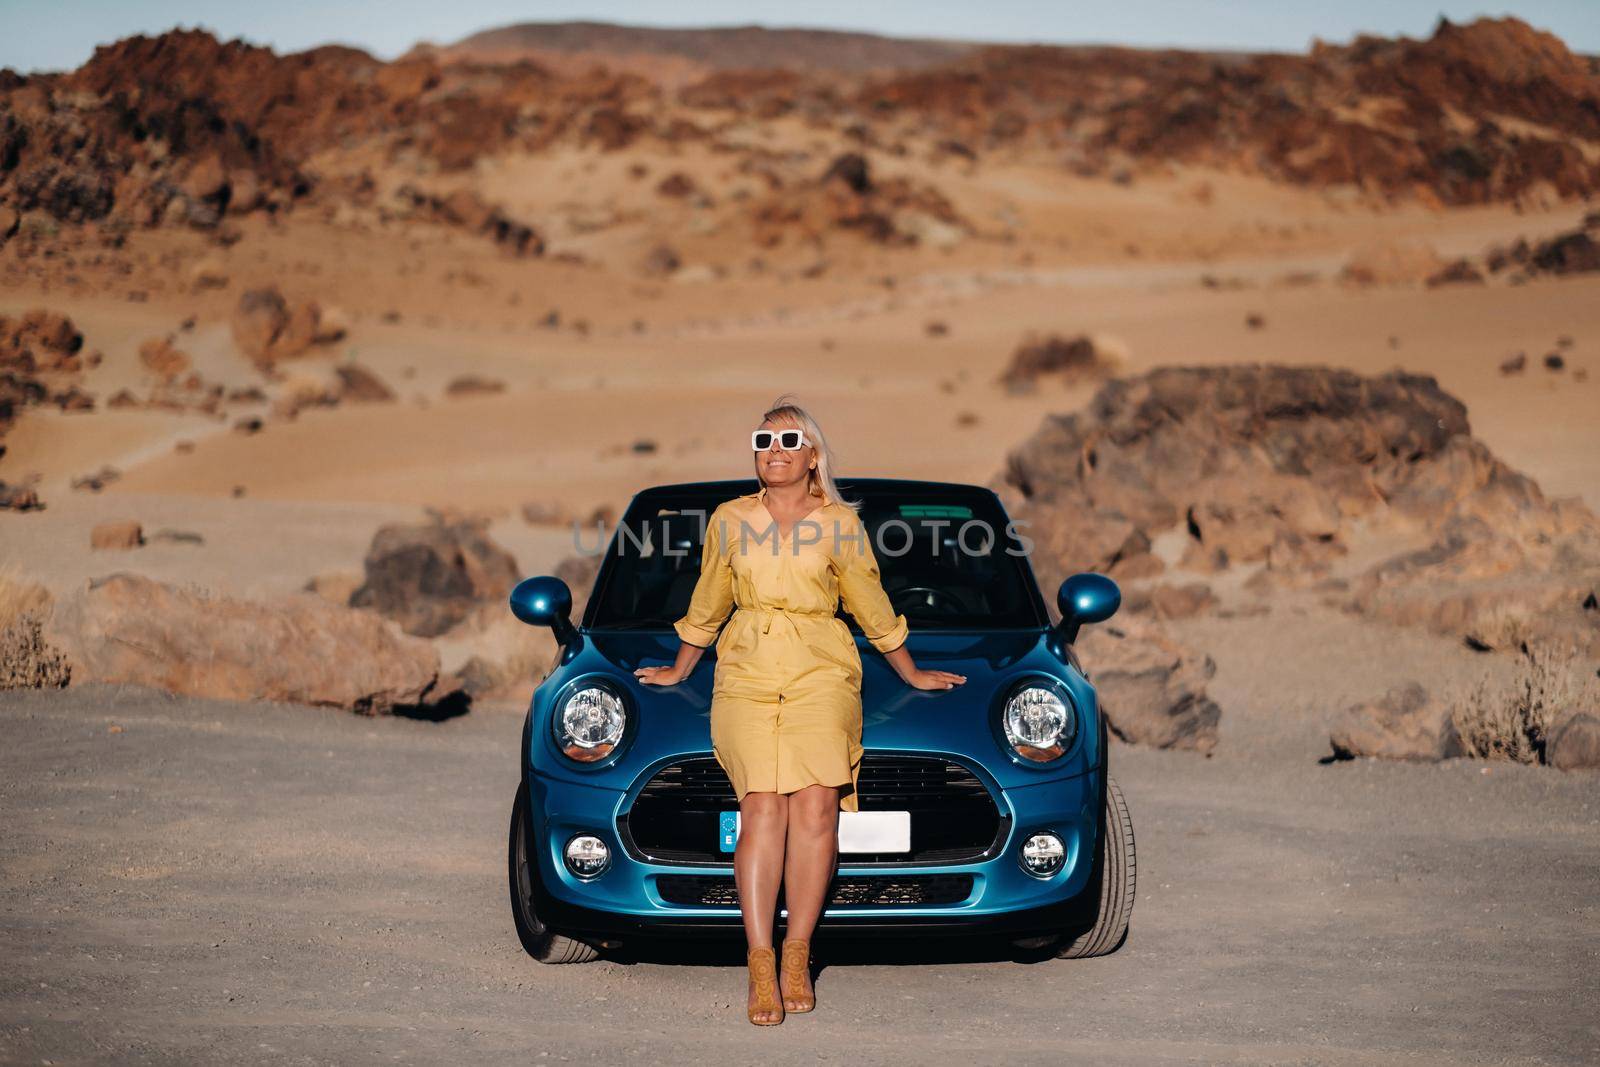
<point x="1086" y="598"/>
<point x="545" y="601"/>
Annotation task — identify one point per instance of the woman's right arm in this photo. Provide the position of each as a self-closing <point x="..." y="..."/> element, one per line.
<point x="682" y="667"/>
<point x="709" y="608"/>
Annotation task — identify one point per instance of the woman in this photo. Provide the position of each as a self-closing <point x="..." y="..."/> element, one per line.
<point x="786" y="699"/>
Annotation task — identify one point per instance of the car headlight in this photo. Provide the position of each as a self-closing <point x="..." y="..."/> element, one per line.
<point x="1039" y="722"/>
<point x="589" y="723"/>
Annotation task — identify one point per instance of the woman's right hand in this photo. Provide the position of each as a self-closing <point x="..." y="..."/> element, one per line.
<point x="682" y="667"/>
<point x="660" y="675"/>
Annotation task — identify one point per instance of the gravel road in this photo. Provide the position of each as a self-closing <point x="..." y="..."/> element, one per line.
<point x="194" y="882"/>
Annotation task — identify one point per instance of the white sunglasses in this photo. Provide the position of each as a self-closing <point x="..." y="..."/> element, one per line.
<point x="787" y="440"/>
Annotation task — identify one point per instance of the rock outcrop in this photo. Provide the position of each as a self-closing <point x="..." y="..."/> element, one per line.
<point x="123" y="534"/>
<point x="267" y="327"/>
<point x="41" y="355"/>
<point x="1151" y="688"/>
<point x="430" y="576"/>
<point x="1575" y="743"/>
<point x="300" y="649"/>
<point x="847" y="198"/>
<point x="1492" y="110"/>
<point x="1403" y="724"/>
<point x="1279" y="469"/>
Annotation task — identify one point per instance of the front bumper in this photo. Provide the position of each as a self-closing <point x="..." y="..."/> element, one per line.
<point x="626" y="899"/>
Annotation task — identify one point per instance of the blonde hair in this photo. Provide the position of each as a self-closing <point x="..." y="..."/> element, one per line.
<point x="785" y="410"/>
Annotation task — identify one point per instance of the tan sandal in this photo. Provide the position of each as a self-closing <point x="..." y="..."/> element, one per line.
<point x="796" y="969"/>
<point x="764" y="977"/>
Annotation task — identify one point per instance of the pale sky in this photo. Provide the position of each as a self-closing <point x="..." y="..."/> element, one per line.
<point x="57" y="35"/>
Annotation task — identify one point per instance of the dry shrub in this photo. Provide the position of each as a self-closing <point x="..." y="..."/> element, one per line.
<point x="1512" y="720"/>
<point x="26" y="662"/>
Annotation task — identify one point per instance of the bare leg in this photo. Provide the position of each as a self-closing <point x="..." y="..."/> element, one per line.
<point x="809" y="860"/>
<point x="758" y="866"/>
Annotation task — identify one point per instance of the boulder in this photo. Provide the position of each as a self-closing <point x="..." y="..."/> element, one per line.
<point x="40" y="341"/>
<point x="500" y="657"/>
<point x="259" y="319"/>
<point x="116" y="535"/>
<point x="579" y="572"/>
<point x="545" y="513"/>
<point x="848" y="197"/>
<point x="267" y="327"/>
<point x="301" y="391"/>
<point x="1072" y="359"/>
<point x="1403" y="724"/>
<point x="14" y="497"/>
<point x="208" y="273"/>
<point x="332" y="325"/>
<point x="98" y="480"/>
<point x="473" y="385"/>
<point x="1278" y="469"/>
<point x="466" y="210"/>
<point x="162" y="359"/>
<point x="124" y="629"/>
<point x="1574" y="742"/>
<point x="661" y="261"/>
<point x="1167" y="601"/>
<point x="430" y="576"/>
<point x="359" y="385"/>
<point x="1459" y="272"/>
<point x="678" y="186"/>
<point x="1393" y="263"/>
<point x="1151" y="689"/>
<point x="1575" y="252"/>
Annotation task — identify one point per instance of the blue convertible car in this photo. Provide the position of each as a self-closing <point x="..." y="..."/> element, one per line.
<point x="1004" y="820"/>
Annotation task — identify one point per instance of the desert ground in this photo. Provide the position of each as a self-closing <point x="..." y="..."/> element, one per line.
<point x="887" y="394"/>
<point x="385" y="312"/>
<point x="201" y="882"/>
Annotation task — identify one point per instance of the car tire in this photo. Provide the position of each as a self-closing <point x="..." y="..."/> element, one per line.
<point x="1109" y="896"/>
<point x="542" y="943"/>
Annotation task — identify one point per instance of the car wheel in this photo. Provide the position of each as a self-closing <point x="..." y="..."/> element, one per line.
<point x="542" y="943"/>
<point x="1109" y="895"/>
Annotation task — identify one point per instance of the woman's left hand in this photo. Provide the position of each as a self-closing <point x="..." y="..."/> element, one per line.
<point x="921" y="679"/>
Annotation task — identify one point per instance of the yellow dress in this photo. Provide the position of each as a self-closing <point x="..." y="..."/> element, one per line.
<point x="786" y="696"/>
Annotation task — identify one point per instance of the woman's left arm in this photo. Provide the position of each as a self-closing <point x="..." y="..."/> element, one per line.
<point x="861" y="589"/>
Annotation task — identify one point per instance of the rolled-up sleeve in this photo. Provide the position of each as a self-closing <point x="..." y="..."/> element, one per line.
<point x="712" y="601"/>
<point x="861" y="589"/>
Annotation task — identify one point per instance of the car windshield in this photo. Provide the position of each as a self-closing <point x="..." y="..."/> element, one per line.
<point x="947" y="558"/>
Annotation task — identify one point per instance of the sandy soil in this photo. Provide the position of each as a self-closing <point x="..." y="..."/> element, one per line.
<point x="687" y="364"/>
<point x="192" y="882"/>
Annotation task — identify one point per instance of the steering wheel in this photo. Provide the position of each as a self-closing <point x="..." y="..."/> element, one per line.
<point x="926" y="600"/>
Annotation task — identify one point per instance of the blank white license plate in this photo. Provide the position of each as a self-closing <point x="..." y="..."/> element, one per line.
<point x="859" y="831"/>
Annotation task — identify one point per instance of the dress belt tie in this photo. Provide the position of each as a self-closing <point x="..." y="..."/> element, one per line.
<point x="768" y="613"/>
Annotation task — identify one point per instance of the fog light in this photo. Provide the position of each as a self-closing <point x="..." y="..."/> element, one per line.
<point x="1043" y="854"/>
<point x="587" y="855"/>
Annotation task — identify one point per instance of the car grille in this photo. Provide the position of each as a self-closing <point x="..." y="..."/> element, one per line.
<point x="953" y="817"/>
<point x="701" y="890"/>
